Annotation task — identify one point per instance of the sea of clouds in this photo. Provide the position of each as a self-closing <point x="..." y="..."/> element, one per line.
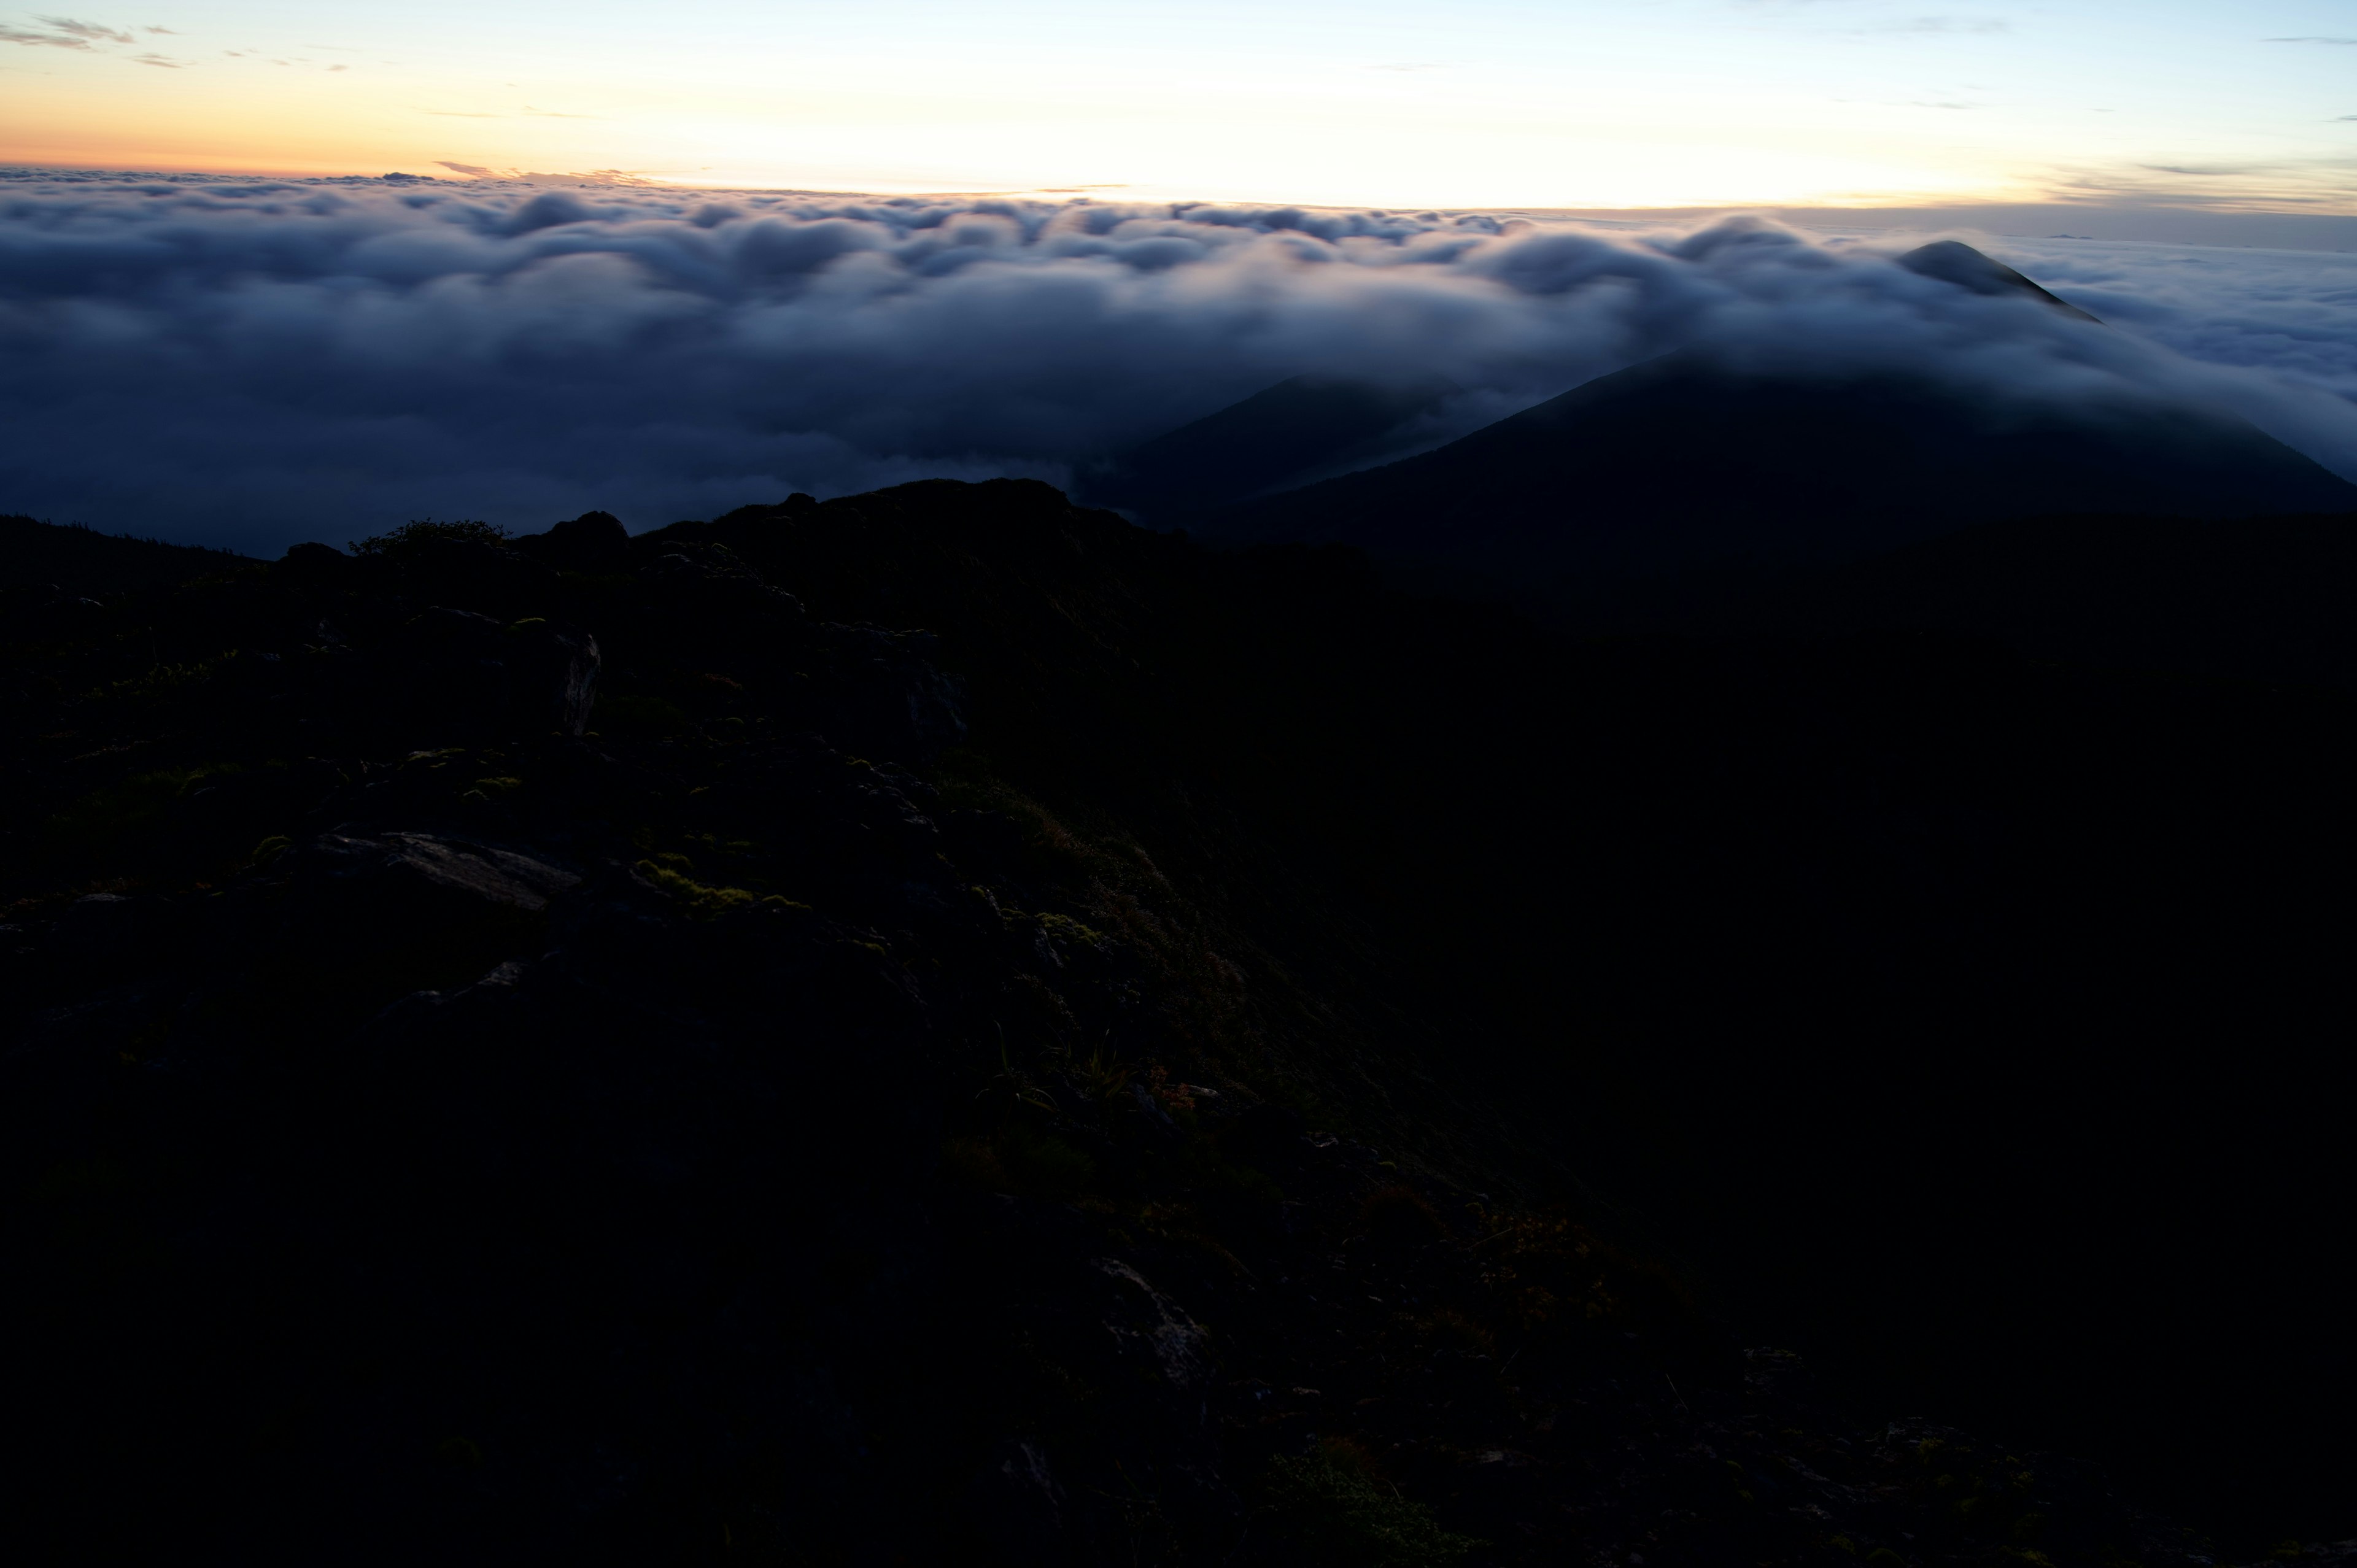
<point x="248" y="362"/>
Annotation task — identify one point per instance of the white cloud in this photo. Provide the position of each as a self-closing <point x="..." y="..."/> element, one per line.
<point x="250" y="361"/>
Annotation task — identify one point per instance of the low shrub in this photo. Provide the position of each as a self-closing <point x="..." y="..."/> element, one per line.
<point x="702" y="901"/>
<point x="1339" y="1510"/>
<point x="423" y="534"/>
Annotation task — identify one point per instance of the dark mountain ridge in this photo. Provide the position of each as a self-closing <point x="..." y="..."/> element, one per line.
<point x="1675" y="466"/>
<point x="40" y="561"/>
<point x="1952" y="260"/>
<point x="586" y="1047"/>
<point x="1684" y="468"/>
<point x="1279" y="434"/>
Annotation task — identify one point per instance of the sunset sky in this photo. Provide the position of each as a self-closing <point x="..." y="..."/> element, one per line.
<point x="1480" y="103"/>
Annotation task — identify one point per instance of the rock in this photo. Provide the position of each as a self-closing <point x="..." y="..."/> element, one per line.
<point x="417" y="904"/>
<point x="440" y="869"/>
<point x="314" y="561"/>
<point x="1018" y="1507"/>
<point x="1147" y="1326"/>
<point x="1268" y="1136"/>
<point x="561" y="668"/>
<point x="1151" y="1109"/>
<point x="891" y="700"/>
<point x="40" y="612"/>
<point x="476" y="680"/>
<point x="100" y="927"/>
<point x="595" y="541"/>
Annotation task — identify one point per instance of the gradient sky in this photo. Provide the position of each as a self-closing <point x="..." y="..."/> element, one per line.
<point x="1478" y="103"/>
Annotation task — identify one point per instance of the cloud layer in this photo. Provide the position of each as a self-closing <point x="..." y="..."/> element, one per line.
<point x="250" y="362"/>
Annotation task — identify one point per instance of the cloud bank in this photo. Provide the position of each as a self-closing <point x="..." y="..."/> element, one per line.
<point x="250" y="362"/>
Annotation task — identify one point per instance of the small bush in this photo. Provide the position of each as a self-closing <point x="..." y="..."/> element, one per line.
<point x="1341" y="1512"/>
<point x="701" y="901"/>
<point x="1045" y="1163"/>
<point x="1017" y="1159"/>
<point x="1399" y="1214"/>
<point x="642" y="716"/>
<point x="972" y="1162"/>
<point x="1449" y="1329"/>
<point x="105" y="818"/>
<point x="423" y="534"/>
<point x="1064" y="929"/>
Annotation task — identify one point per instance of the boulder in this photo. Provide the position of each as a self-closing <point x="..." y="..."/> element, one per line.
<point x="595" y="541"/>
<point x="446" y="869"/>
<point x="420" y="902"/>
<point x="476" y="679"/>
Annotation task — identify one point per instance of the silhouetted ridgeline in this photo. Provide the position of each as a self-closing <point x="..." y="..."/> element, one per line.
<point x="1677" y="466"/>
<point x="80" y="561"/>
<point x="591" y="1048"/>
<point x="1709" y="471"/>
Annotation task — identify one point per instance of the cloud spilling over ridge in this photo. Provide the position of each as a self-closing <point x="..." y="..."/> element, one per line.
<point x="248" y="362"/>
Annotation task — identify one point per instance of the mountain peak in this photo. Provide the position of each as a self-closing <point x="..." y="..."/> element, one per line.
<point x="1952" y="260"/>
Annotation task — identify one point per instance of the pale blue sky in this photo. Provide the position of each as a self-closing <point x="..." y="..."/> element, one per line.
<point x="1482" y="103"/>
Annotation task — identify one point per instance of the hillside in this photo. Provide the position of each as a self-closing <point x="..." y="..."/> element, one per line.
<point x="1681" y="477"/>
<point x="81" y="562"/>
<point x="2255" y="599"/>
<point x="1674" y="467"/>
<point x="602" y="1048"/>
<point x="1278" y="436"/>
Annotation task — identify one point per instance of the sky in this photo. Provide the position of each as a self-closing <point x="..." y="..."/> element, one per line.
<point x="1477" y="103"/>
<point x="669" y="261"/>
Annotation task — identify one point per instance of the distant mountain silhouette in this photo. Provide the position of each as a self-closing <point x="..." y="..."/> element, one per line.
<point x="1677" y="466"/>
<point x="1282" y="433"/>
<point x="1952" y="260"/>
<point x="78" y="561"/>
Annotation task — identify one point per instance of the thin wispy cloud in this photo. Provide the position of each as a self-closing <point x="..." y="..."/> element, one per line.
<point x="1931" y="25"/>
<point x="2315" y="184"/>
<point x="2213" y="171"/>
<point x="1941" y="25"/>
<point x="527" y="110"/>
<point x="2309" y="40"/>
<point x="63" y="33"/>
<point x="89" y="31"/>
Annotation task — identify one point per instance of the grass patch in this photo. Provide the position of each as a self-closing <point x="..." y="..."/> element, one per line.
<point x="1019" y="1159"/>
<point x="703" y="902"/>
<point x="1339" y="1511"/>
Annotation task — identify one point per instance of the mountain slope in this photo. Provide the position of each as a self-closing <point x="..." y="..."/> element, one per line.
<point x="1682" y="468"/>
<point x="1952" y="260"/>
<point x="1674" y="466"/>
<point x="2259" y="599"/>
<point x="586" y="1048"/>
<point x="80" y="561"/>
<point x="1281" y="433"/>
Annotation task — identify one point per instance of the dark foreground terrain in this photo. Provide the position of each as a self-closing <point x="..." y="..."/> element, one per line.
<point x="584" y="1048"/>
